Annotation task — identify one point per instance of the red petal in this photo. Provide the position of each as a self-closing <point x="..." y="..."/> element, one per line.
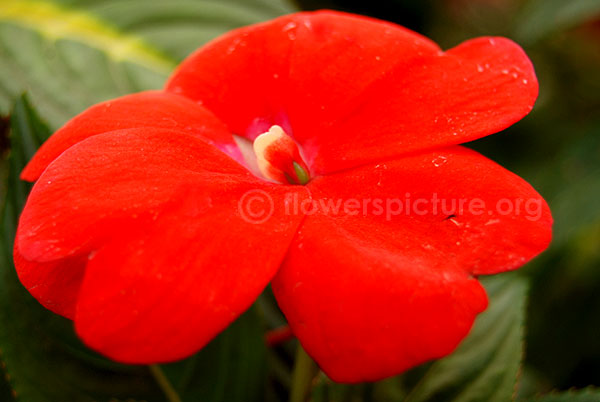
<point x="166" y="222"/>
<point x="353" y="90"/>
<point x="239" y="76"/>
<point x="109" y="181"/>
<point x="146" y="109"/>
<point x="302" y="69"/>
<point x="162" y="293"/>
<point x="94" y="189"/>
<point x="370" y="291"/>
<point x="475" y="89"/>
<point x="54" y="284"/>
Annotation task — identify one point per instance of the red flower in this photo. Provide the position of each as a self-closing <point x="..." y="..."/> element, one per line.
<point x="136" y="229"/>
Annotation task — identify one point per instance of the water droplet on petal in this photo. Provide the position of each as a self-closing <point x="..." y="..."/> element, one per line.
<point x="289" y="28"/>
<point x="289" y="25"/>
<point x="439" y="161"/>
<point x="233" y="45"/>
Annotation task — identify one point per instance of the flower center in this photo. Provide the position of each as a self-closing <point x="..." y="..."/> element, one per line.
<point x="278" y="157"/>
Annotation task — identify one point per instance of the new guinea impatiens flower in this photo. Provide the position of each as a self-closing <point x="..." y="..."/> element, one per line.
<point x="136" y="229"/>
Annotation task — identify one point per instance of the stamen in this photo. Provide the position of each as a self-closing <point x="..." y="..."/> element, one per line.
<point x="279" y="158"/>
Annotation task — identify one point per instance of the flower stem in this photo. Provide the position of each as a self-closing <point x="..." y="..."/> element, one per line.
<point x="305" y="370"/>
<point x="164" y="383"/>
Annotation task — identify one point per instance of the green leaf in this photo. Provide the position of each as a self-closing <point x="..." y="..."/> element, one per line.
<point x="586" y="395"/>
<point x="230" y="369"/>
<point x="178" y="27"/>
<point x="65" y="74"/>
<point x="540" y="18"/>
<point x="70" y="54"/>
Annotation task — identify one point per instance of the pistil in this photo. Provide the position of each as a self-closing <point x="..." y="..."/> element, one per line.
<point x="279" y="158"/>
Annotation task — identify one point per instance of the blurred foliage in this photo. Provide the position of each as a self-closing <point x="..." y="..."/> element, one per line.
<point x="70" y="54"/>
<point x="586" y="395"/>
<point x="105" y="48"/>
